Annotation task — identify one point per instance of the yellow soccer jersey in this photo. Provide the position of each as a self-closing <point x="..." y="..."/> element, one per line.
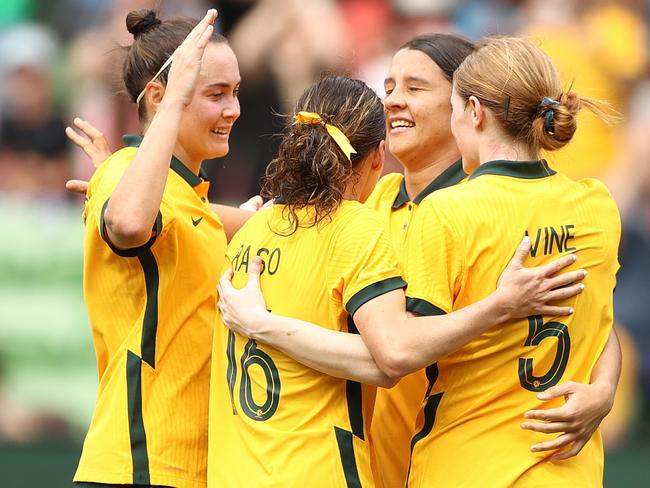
<point x="396" y="409"/>
<point x="469" y="430"/>
<point x="152" y="312"/>
<point x="273" y="421"/>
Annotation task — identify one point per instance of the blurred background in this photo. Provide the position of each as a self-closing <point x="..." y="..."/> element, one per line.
<point x="61" y="58"/>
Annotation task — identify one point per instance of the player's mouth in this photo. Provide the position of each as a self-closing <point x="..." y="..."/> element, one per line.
<point x="221" y="131"/>
<point x="400" y="125"/>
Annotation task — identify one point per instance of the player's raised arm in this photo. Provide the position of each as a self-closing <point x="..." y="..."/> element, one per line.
<point x="94" y="144"/>
<point x="132" y="208"/>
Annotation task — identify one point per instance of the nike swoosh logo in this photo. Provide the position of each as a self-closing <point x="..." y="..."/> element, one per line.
<point x="196" y="222"/>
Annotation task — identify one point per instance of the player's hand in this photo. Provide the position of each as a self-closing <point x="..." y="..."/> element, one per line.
<point x="253" y="204"/>
<point x="93" y="143"/>
<point x="187" y="59"/>
<point x="243" y="310"/>
<point x="584" y="409"/>
<point x="90" y="140"/>
<point x="529" y="291"/>
<point x="77" y="186"/>
<point x="256" y="203"/>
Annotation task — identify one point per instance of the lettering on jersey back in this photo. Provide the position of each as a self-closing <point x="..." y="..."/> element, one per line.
<point x="553" y="240"/>
<point x="270" y="259"/>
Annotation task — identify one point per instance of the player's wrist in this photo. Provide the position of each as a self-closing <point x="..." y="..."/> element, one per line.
<point x="605" y="390"/>
<point x="172" y="104"/>
<point x="500" y="306"/>
<point x="260" y="324"/>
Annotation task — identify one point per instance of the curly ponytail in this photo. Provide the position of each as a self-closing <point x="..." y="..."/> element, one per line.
<point x="311" y="169"/>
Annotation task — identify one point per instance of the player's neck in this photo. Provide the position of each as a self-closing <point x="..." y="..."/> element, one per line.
<point x="418" y="178"/>
<point x="505" y="150"/>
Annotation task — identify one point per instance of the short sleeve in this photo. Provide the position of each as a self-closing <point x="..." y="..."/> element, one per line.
<point x="434" y="260"/>
<point x="386" y="188"/>
<point x="363" y="260"/>
<point x="102" y="186"/>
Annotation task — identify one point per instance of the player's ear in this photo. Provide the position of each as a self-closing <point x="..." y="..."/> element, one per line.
<point x="378" y="160"/>
<point x="154" y="95"/>
<point x="477" y="111"/>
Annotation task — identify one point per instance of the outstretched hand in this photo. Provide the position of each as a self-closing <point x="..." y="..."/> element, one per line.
<point x="91" y="141"/>
<point x="576" y="421"/>
<point x="529" y="291"/>
<point x="243" y="309"/>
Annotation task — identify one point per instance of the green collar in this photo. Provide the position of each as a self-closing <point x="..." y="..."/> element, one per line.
<point x="528" y="170"/>
<point x="134" y="140"/>
<point x="449" y="177"/>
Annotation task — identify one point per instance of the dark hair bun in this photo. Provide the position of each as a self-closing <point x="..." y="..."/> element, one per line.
<point x="140" y="21"/>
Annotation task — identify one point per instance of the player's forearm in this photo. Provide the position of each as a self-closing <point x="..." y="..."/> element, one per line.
<point x="607" y="369"/>
<point x="232" y="218"/>
<point x="338" y="354"/>
<point x="135" y="203"/>
<point x="424" y="340"/>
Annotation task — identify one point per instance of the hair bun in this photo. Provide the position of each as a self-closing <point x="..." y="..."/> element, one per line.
<point x="140" y="21"/>
<point x="563" y="117"/>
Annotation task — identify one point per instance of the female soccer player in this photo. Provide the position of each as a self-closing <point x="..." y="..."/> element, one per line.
<point x="148" y="288"/>
<point x="418" y="89"/>
<point x="327" y="258"/>
<point x="507" y="105"/>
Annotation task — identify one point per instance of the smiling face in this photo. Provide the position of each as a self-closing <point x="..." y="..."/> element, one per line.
<point x="417" y="108"/>
<point x="208" y="119"/>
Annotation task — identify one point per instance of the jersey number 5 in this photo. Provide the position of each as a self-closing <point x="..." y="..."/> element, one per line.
<point x="537" y="332"/>
<point x="253" y="356"/>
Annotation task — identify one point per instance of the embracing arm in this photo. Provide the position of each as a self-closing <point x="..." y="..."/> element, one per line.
<point x="585" y="408"/>
<point x="386" y="332"/>
<point x="607" y="370"/>
<point x="335" y="353"/>
<point x="401" y="344"/>
<point x="232" y="218"/>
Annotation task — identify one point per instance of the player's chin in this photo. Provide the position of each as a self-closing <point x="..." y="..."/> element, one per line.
<point x="218" y="150"/>
<point x="401" y="146"/>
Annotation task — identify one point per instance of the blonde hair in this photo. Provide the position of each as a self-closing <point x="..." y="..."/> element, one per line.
<point x="518" y="82"/>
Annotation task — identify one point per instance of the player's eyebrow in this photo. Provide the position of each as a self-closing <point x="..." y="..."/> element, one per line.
<point x="221" y="84"/>
<point x="409" y="79"/>
<point x="417" y="79"/>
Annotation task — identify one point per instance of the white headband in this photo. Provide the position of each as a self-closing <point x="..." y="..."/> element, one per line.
<point x="162" y="68"/>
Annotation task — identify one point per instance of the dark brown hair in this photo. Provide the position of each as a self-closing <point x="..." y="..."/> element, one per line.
<point x="518" y="82"/>
<point x="154" y="42"/>
<point x="446" y="50"/>
<point x="311" y="169"/>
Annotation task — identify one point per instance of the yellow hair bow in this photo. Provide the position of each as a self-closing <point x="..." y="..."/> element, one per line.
<point x="339" y="137"/>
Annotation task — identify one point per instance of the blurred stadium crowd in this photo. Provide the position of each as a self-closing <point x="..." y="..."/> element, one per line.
<point x="60" y="59"/>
